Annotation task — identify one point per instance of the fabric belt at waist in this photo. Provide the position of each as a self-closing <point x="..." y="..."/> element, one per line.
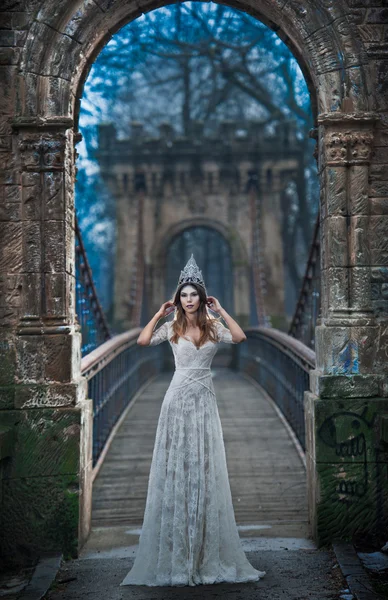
<point x="191" y="379"/>
<point x="194" y="368"/>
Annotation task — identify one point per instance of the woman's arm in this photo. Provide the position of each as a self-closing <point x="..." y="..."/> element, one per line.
<point x="237" y="333"/>
<point x="146" y="333"/>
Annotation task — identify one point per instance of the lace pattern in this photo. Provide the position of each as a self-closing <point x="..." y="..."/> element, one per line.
<point x="189" y="534"/>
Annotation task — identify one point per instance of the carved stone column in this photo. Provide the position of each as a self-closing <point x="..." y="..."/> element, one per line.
<point x="347" y="398"/>
<point x="47" y="484"/>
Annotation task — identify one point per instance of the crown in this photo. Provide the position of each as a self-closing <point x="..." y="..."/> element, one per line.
<point x="191" y="273"/>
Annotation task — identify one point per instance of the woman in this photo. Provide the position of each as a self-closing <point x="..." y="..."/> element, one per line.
<point x="189" y="534"/>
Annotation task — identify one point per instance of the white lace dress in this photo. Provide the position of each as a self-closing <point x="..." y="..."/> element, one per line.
<point x="189" y="534"/>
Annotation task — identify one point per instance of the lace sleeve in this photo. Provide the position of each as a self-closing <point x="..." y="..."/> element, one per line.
<point x="224" y="334"/>
<point x="159" y="335"/>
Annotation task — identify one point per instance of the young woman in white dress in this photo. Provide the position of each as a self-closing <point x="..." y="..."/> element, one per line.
<point x="189" y="534"/>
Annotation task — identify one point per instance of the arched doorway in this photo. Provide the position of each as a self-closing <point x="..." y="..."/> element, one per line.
<point x="213" y="256"/>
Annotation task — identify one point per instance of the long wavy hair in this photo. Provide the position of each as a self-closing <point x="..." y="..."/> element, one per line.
<point x="204" y="321"/>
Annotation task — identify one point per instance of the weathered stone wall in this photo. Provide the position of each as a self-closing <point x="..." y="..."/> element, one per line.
<point x="46" y="49"/>
<point x="186" y="179"/>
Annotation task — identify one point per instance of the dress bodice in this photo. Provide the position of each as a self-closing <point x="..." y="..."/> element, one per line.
<point x="186" y="353"/>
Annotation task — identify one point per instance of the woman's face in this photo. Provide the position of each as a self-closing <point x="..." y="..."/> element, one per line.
<point x="189" y="299"/>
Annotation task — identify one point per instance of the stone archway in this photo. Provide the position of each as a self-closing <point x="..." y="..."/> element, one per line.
<point x="240" y="259"/>
<point x="46" y="60"/>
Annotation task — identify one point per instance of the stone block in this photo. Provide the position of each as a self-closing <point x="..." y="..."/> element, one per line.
<point x="13" y="5"/>
<point x="10" y="298"/>
<point x="54" y="196"/>
<point x="10" y="211"/>
<point x="352" y="500"/>
<point x="5" y="143"/>
<point x="8" y="89"/>
<point x="32" y="295"/>
<point x="79" y="26"/>
<point x="345" y="430"/>
<point x="59" y="93"/>
<point x="39" y="513"/>
<point x="378" y="235"/>
<point x="7" y="38"/>
<point x="32" y="247"/>
<point x="30" y="358"/>
<point x="377" y="16"/>
<point x="378" y="206"/>
<point x="47" y="442"/>
<point x="32" y="196"/>
<point x="336" y="185"/>
<point x="379" y="188"/>
<point x="58" y="351"/>
<point x="358" y="190"/>
<point x="380" y="154"/>
<point x="8" y="170"/>
<point x="381" y="354"/>
<point x="7" y="397"/>
<point x="321" y="49"/>
<point x="12" y="193"/>
<point x="354" y="83"/>
<point x="346" y="466"/>
<point x="11" y="239"/>
<point x="346" y="386"/>
<point x="45" y="395"/>
<point x="329" y="90"/>
<point x="6" y="20"/>
<point x="334" y="232"/>
<point x="54" y="247"/>
<point x="335" y="291"/>
<point x="29" y="84"/>
<point x="56" y="301"/>
<point x="9" y="56"/>
<point x="360" y="289"/>
<point x="345" y="350"/>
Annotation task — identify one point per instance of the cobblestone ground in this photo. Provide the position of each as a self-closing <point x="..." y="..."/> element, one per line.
<point x="297" y="573"/>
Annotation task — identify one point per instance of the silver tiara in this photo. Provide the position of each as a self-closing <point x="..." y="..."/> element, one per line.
<point x="191" y="274"/>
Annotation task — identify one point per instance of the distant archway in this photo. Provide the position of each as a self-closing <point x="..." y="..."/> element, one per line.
<point x="213" y="256"/>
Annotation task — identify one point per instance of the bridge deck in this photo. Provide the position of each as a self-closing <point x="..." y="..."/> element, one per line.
<point x="266" y="474"/>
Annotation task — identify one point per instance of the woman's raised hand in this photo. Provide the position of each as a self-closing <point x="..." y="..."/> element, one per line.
<point x="213" y="303"/>
<point x="166" y="308"/>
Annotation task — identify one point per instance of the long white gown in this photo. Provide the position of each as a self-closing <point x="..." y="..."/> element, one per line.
<point x="189" y="534"/>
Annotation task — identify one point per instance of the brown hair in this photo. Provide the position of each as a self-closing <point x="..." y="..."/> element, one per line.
<point x="205" y="323"/>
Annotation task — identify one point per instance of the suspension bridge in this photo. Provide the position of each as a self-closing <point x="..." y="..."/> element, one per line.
<point x="260" y="385"/>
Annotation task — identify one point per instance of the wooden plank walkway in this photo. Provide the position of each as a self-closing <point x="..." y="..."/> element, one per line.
<point x="266" y="474"/>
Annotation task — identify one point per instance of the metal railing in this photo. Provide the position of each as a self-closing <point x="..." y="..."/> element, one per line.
<point x="281" y="365"/>
<point x="115" y="371"/>
<point x="91" y="317"/>
<point x="308" y="306"/>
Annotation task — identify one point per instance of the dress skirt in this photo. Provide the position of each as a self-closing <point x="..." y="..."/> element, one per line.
<point x="189" y="534"/>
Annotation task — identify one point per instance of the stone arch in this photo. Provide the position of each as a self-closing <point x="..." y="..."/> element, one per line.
<point x="240" y="258"/>
<point x="62" y="44"/>
<point x="40" y="108"/>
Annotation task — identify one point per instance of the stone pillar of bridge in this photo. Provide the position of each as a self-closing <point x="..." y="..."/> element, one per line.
<point x="344" y="409"/>
<point x="46" y="473"/>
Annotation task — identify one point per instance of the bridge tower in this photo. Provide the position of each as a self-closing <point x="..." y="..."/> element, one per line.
<point x="188" y="182"/>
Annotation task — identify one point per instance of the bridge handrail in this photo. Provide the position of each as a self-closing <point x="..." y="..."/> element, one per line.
<point x="281" y="365"/>
<point x="287" y="344"/>
<point x="98" y="358"/>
